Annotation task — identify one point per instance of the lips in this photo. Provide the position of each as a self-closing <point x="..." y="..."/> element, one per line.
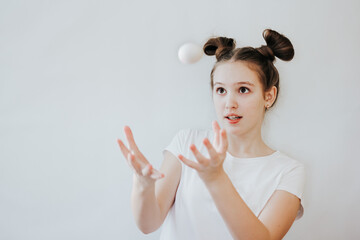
<point x="233" y="115"/>
<point x="233" y="121"/>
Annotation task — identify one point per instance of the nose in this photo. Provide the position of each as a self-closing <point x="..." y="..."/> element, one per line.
<point x="231" y="102"/>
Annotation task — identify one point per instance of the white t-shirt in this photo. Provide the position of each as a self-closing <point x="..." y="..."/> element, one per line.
<point x="194" y="214"/>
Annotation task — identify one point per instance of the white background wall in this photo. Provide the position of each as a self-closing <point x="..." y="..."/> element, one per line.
<point x="74" y="73"/>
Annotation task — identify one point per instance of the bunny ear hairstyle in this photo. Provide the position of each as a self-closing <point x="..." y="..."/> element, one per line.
<point x="279" y="45"/>
<point x="219" y="46"/>
<point x="267" y="52"/>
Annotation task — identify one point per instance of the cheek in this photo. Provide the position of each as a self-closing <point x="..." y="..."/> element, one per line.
<point x="219" y="106"/>
<point x="250" y="106"/>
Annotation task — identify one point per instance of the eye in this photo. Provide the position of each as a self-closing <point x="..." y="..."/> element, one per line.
<point x="243" y="88"/>
<point x="217" y="90"/>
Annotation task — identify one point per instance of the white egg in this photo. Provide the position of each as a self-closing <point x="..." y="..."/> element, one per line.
<point x="190" y="53"/>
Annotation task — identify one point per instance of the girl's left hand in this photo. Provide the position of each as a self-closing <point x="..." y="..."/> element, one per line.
<point x="209" y="169"/>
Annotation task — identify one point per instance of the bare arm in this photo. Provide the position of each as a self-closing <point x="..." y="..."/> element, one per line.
<point x="153" y="192"/>
<point x="151" y="204"/>
<point x="279" y="213"/>
<point x="145" y="207"/>
<point x="240" y="220"/>
<point x="274" y="221"/>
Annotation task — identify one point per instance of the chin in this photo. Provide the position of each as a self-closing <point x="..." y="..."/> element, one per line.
<point x="232" y="128"/>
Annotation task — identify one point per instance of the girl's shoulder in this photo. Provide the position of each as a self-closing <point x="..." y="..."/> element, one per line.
<point x="289" y="161"/>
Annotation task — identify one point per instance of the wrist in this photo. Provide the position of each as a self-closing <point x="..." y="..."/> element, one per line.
<point x="142" y="184"/>
<point x="215" y="178"/>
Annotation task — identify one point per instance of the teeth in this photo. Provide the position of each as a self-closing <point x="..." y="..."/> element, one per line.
<point x="233" y="117"/>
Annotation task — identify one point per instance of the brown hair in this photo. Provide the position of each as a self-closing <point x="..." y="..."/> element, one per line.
<point x="260" y="59"/>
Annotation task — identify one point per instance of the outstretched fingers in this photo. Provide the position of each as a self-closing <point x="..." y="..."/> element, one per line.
<point x="199" y="157"/>
<point x="134" y="164"/>
<point x="216" y="129"/>
<point x="130" y="138"/>
<point x="189" y="163"/>
<point x="223" y="141"/>
<point x="130" y="157"/>
<point x="144" y="170"/>
<point x="212" y="152"/>
<point x="135" y="158"/>
<point x="125" y="151"/>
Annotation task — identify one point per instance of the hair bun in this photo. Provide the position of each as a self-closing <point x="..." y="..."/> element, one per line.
<point x="219" y="46"/>
<point x="267" y="52"/>
<point x="277" y="45"/>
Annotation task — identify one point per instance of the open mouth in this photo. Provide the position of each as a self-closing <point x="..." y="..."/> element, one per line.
<point x="233" y="117"/>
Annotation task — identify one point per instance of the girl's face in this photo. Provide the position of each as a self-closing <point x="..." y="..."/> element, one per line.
<point x="237" y="90"/>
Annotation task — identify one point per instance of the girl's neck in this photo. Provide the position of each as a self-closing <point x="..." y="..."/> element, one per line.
<point x="248" y="146"/>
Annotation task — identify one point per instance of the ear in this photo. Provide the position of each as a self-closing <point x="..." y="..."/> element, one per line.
<point x="270" y="95"/>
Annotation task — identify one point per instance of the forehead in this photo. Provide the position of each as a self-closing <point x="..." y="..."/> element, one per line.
<point x="230" y="73"/>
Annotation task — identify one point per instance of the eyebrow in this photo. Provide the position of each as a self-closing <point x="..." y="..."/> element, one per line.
<point x="248" y="83"/>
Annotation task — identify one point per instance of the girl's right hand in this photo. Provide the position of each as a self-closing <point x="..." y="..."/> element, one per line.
<point x="136" y="160"/>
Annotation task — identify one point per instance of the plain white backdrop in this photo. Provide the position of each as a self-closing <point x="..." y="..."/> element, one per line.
<point x="74" y="73"/>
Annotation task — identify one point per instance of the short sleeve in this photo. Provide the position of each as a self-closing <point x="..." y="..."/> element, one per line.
<point x="293" y="181"/>
<point x="176" y="144"/>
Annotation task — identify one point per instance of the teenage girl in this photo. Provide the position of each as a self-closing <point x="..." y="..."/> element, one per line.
<point x="224" y="183"/>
